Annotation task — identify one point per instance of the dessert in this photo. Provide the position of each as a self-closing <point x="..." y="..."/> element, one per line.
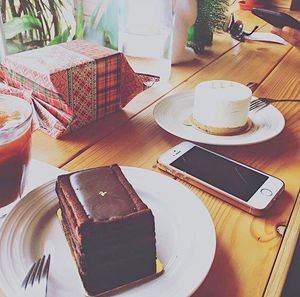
<point x="15" y="143"/>
<point x="109" y="229"/>
<point x="221" y="107"/>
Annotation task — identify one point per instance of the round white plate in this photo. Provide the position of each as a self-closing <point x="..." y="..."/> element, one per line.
<point x="185" y="234"/>
<point x="171" y="112"/>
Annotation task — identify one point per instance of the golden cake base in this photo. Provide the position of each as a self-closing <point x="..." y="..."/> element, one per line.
<point x="120" y="289"/>
<point x="190" y="121"/>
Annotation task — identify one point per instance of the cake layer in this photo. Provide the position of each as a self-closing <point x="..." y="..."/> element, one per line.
<point x="221" y="104"/>
<point x="109" y="229"/>
<point x="222" y="131"/>
<point x="99" y="194"/>
<point x="104" y="259"/>
<point x="105" y="248"/>
<point x="124" y="273"/>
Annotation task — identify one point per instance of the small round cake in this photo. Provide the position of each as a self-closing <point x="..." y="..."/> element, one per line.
<point x="221" y="107"/>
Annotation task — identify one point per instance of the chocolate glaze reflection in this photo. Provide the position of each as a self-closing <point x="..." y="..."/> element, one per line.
<point x="100" y="195"/>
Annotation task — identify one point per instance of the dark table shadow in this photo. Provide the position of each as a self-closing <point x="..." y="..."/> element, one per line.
<point x="221" y="274"/>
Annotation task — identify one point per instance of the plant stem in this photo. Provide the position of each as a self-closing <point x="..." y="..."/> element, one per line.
<point x="3" y="10"/>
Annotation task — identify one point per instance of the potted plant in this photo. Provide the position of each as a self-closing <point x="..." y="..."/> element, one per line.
<point x="35" y="23"/>
<point x="212" y="15"/>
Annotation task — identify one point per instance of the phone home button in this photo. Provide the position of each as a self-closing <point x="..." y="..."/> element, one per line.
<point x="266" y="192"/>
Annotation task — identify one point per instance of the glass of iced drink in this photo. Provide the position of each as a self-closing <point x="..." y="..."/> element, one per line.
<point x="15" y="144"/>
<point x="146" y="35"/>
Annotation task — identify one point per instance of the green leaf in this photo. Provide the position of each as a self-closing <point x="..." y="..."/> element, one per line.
<point x="20" y="24"/>
<point x="212" y="13"/>
<point x="96" y="19"/>
<point x="80" y="22"/>
<point x="108" y="37"/>
<point x="14" y="47"/>
<point x="61" y="38"/>
<point x="191" y="33"/>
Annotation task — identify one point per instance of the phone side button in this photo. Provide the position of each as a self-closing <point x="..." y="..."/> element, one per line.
<point x="266" y="192"/>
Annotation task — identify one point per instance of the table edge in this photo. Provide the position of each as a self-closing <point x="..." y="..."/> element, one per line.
<point x="285" y="254"/>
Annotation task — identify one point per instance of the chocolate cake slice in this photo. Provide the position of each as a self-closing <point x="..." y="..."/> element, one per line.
<point x="109" y="229"/>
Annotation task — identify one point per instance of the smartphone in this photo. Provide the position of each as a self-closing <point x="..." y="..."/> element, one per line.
<point x="242" y="186"/>
<point x="277" y="19"/>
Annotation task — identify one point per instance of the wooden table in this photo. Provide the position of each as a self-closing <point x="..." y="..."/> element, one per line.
<point x="253" y="254"/>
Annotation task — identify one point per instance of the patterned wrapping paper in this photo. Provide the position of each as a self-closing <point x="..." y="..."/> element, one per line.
<point x="72" y="84"/>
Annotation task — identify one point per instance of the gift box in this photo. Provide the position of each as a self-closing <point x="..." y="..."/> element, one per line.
<point x="72" y="84"/>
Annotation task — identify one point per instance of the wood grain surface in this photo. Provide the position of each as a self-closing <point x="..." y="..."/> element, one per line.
<point x="252" y="257"/>
<point x="246" y="245"/>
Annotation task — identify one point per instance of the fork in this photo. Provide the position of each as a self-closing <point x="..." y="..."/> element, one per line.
<point x="262" y="102"/>
<point x="35" y="282"/>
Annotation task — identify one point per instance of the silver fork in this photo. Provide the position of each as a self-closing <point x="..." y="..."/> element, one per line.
<point x="36" y="280"/>
<point x="260" y="103"/>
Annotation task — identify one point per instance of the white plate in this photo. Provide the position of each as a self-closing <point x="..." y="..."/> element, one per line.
<point x="172" y="111"/>
<point x="185" y="233"/>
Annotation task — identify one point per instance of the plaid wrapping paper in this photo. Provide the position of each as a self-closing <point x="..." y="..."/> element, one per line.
<point x="42" y="118"/>
<point x="73" y="83"/>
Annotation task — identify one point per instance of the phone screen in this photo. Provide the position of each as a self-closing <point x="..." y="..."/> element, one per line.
<point x="221" y="173"/>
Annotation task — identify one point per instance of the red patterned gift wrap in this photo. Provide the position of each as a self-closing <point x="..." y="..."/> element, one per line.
<point x="73" y="84"/>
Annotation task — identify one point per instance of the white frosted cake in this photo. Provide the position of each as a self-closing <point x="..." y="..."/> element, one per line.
<point x="221" y="107"/>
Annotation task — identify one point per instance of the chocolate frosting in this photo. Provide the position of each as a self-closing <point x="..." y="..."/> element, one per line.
<point x="101" y="193"/>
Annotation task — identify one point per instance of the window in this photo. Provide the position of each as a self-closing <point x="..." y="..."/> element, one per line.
<point x="30" y="24"/>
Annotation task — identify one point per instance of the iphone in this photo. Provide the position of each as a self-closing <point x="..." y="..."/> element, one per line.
<point x="236" y="183"/>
